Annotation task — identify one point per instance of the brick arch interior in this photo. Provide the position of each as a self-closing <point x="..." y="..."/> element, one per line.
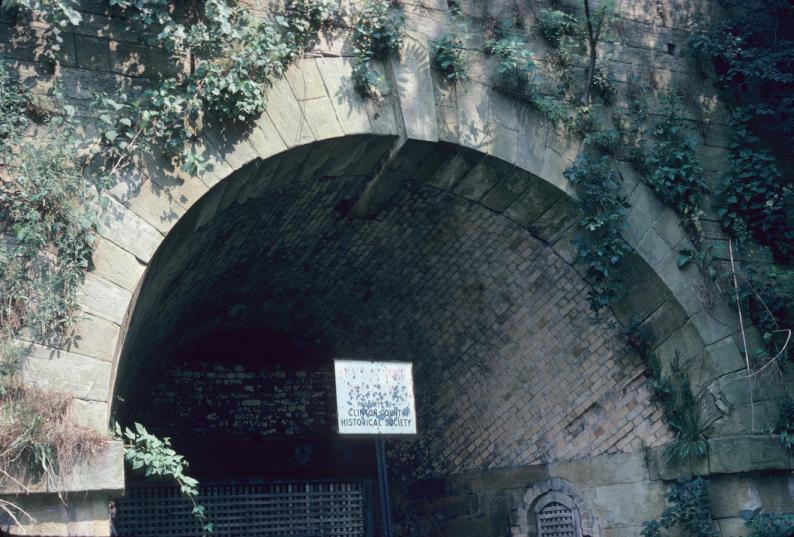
<point x="510" y="367"/>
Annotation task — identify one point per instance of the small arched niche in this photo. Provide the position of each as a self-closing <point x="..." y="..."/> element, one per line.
<point x="554" y="508"/>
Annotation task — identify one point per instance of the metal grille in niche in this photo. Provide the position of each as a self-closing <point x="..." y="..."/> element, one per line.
<point x="555" y="520"/>
<point x="298" y="509"/>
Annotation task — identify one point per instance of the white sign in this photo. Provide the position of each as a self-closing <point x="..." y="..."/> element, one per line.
<point x="375" y="397"/>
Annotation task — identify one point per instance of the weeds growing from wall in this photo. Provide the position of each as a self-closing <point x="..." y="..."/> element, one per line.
<point x="673" y="171"/>
<point x="39" y="438"/>
<point x="752" y="53"/>
<point x="689" y="510"/>
<point x="682" y="409"/>
<point x="233" y="59"/>
<point x="784" y="425"/>
<point x="377" y="33"/>
<point x="768" y="524"/>
<point x="600" y="244"/>
<point x="48" y="215"/>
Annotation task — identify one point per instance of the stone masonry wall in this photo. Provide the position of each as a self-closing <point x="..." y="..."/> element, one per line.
<point x="619" y="491"/>
<point x="512" y="371"/>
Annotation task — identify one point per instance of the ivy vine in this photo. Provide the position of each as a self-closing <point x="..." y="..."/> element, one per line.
<point x="689" y="508"/>
<point x="600" y="244"/>
<point x="377" y="33"/>
<point x="673" y="171"/>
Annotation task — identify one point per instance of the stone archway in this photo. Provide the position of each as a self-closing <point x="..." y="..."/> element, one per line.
<point x="468" y="141"/>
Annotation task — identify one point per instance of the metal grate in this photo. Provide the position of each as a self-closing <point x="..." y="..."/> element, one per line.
<point x="269" y="510"/>
<point x="555" y="520"/>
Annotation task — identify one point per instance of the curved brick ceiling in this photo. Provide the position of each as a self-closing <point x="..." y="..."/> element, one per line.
<point x="510" y="368"/>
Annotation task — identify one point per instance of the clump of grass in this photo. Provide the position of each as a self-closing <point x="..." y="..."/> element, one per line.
<point x="39" y="437"/>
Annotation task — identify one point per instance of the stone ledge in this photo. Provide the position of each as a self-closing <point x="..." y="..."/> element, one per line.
<point x="726" y="455"/>
<point x="101" y="473"/>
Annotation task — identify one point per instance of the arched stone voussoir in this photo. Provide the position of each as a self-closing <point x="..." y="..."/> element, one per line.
<point x="81" y="376"/>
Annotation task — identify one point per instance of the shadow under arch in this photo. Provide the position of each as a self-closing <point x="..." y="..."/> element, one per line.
<point x="233" y="260"/>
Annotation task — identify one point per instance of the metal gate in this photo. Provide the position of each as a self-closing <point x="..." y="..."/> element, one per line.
<point x="295" y="509"/>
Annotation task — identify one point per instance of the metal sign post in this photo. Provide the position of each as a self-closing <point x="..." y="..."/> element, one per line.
<point x="383" y="487"/>
<point x="376" y="398"/>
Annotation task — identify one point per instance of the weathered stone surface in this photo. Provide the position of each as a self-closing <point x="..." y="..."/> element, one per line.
<point x="733" y="493"/>
<point x="685" y="284"/>
<point x="232" y="141"/>
<point x="92" y="53"/>
<point x="732" y="527"/>
<point x="414" y="88"/>
<point x="628" y="504"/>
<point x="167" y="178"/>
<point x="322" y="119"/>
<point x="660" y="466"/>
<point x="93" y="336"/>
<point x="265" y="138"/>
<point x="644" y="292"/>
<point x="664" y="321"/>
<point x="536" y="200"/>
<point x="116" y="265"/>
<point x="84" y="377"/>
<point x="150" y="201"/>
<point x="367" y="159"/>
<point x="618" y="468"/>
<point x="740" y="419"/>
<point x="506" y="190"/>
<point x="735" y="454"/>
<point x="104" y="299"/>
<point x="136" y="60"/>
<point x="457" y="165"/>
<point x="716" y="323"/>
<point x="481" y="179"/>
<point x="553" y="223"/>
<point x="645" y="209"/>
<point x="473" y="113"/>
<point x="602" y="471"/>
<point x="653" y="248"/>
<point x="719" y="359"/>
<point x="216" y="168"/>
<point x="566" y="246"/>
<point x="103" y="472"/>
<point x="305" y="80"/>
<point x="350" y="108"/>
<point x="287" y="115"/>
<point x="668" y="227"/>
<point x="85" y="515"/>
<point x="129" y="231"/>
<point x="684" y="343"/>
<point x="93" y="414"/>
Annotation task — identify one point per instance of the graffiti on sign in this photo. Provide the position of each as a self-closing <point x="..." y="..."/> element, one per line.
<point x="375" y="397"/>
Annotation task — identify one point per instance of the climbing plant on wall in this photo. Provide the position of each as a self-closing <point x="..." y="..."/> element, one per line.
<point x="50" y="185"/>
<point x="600" y="243"/>
<point x="751" y="50"/>
<point x="689" y="509"/>
<point x="377" y="33"/>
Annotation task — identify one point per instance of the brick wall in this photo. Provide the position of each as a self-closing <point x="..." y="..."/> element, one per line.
<point x="510" y="367"/>
<point x="223" y="401"/>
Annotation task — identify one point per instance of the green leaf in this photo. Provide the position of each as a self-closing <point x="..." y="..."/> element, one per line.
<point x="684" y="257"/>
